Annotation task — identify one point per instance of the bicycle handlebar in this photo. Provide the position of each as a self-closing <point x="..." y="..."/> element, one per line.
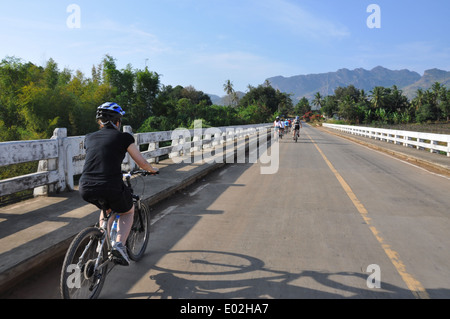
<point x="138" y="172"/>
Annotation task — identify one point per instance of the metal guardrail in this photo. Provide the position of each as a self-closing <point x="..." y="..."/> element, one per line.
<point x="62" y="157"/>
<point x="435" y="143"/>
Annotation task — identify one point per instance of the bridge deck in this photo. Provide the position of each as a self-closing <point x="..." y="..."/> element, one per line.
<point x="36" y="231"/>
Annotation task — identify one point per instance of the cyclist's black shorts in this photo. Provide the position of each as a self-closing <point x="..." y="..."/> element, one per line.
<point x="118" y="198"/>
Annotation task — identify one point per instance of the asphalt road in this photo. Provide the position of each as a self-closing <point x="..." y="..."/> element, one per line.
<point x="338" y="220"/>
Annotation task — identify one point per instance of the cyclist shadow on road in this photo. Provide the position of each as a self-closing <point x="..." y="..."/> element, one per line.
<point x="247" y="277"/>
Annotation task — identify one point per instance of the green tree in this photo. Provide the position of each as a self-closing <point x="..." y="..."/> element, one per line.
<point x="14" y="74"/>
<point x="377" y="97"/>
<point x="302" y="107"/>
<point x="318" y="100"/>
<point x="444" y="105"/>
<point x="195" y="96"/>
<point x="35" y="108"/>
<point x="147" y="86"/>
<point x="436" y="99"/>
<point x="268" y="96"/>
<point x="330" y="106"/>
<point x="425" y="113"/>
<point x="351" y="91"/>
<point x="347" y="109"/>
<point x="419" y="99"/>
<point x="232" y="96"/>
<point x="254" y="114"/>
<point x="228" y="87"/>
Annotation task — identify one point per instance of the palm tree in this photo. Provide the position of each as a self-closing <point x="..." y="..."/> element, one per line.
<point x="399" y="102"/>
<point x="228" y="87"/>
<point x="445" y="102"/>
<point x="229" y="90"/>
<point x="436" y="89"/>
<point x="362" y="96"/>
<point x="318" y="100"/>
<point x="418" y="101"/>
<point x="377" y="97"/>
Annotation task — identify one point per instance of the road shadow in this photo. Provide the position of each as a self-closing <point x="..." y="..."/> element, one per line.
<point x="247" y="277"/>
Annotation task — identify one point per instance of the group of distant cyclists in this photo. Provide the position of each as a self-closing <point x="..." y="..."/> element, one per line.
<point x="284" y="126"/>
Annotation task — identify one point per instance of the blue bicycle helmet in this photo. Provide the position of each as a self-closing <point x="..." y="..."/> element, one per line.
<point x="109" y="111"/>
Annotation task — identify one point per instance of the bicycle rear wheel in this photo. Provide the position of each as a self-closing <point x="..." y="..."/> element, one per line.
<point x="140" y="233"/>
<point x="79" y="279"/>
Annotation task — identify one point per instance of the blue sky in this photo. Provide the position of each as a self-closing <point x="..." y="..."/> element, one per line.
<point x="204" y="43"/>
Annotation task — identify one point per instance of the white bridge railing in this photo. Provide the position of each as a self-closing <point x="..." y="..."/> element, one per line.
<point x="435" y="143"/>
<point x="62" y="157"/>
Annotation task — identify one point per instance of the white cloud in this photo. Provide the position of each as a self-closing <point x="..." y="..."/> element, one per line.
<point x="127" y="39"/>
<point x="300" y="21"/>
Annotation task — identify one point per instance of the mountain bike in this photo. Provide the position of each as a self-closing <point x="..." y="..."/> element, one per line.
<point x="89" y="258"/>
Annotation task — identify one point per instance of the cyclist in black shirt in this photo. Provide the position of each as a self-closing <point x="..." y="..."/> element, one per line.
<point x="102" y="173"/>
<point x="297" y="125"/>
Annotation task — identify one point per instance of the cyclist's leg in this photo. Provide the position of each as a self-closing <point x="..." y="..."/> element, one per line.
<point x="124" y="226"/>
<point x="122" y="204"/>
<point x="120" y="201"/>
<point x="102" y="218"/>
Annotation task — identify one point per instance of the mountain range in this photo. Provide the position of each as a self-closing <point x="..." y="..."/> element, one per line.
<point x="325" y="83"/>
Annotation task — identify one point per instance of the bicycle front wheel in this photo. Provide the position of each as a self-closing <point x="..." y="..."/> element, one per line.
<point x="79" y="277"/>
<point x="140" y="233"/>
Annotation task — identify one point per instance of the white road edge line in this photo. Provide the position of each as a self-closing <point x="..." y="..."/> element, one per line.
<point x="403" y="161"/>
<point x="198" y="190"/>
<point x="163" y="214"/>
<point x="396" y="158"/>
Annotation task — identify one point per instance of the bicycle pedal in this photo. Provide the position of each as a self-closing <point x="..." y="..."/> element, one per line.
<point x="120" y="261"/>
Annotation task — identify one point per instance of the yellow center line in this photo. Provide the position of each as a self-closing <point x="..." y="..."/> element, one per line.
<point x="413" y="284"/>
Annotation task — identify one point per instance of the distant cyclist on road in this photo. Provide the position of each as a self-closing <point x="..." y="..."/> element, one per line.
<point x="286" y="126"/>
<point x="282" y="127"/>
<point x="297" y="126"/>
<point x="277" y="125"/>
<point x="102" y="178"/>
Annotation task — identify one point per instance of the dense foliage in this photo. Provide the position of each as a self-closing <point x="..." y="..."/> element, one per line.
<point x="387" y="105"/>
<point x="35" y="100"/>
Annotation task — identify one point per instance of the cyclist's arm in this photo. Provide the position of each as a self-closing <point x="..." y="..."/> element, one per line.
<point x="140" y="160"/>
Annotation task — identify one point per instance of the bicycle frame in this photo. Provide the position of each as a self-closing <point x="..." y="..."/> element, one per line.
<point x="105" y="239"/>
<point x="94" y="263"/>
<point x="106" y="232"/>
